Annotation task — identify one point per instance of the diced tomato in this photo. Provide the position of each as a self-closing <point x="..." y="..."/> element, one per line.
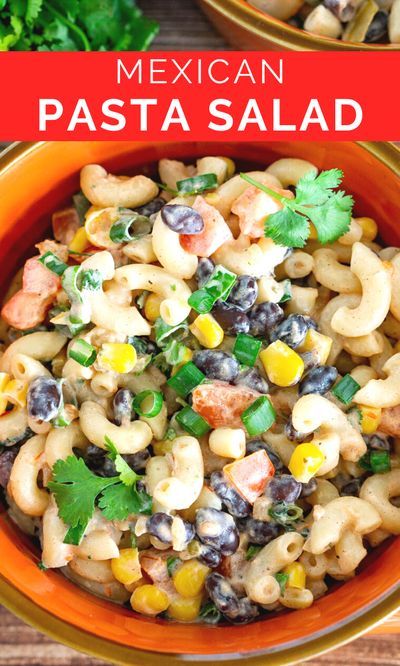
<point x="65" y="223"/>
<point x="215" y="233"/>
<point x="25" y="310"/>
<point x="221" y="404"/>
<point x="48" y="245"/>
<point x="37" y="279"/>
<point x="254" y="206"/>
<point x="250" y="474"/>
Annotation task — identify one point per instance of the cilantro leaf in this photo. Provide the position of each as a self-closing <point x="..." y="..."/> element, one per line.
<point x="316" y="201"/>
<point x="127" y="475"/>
<point x="119" y="501"/>
<point x="75" y="489"/>
<point x="287" y="228"/>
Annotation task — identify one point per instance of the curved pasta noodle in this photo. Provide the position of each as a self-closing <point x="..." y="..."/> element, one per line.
<point x="23" y="486"/>
<point x="129" y="438"/>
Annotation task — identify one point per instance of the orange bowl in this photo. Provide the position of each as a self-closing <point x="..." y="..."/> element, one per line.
<point x="248" y="28"/>
<point x="35" y="179"/>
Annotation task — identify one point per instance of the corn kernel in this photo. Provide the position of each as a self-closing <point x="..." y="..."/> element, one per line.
<point x="80" y="241"/>
<point x="305" y="462"/>
<point x="189" y="578"/>
<point x="126" y="568"/>
<point x="16" y="391"/>
<point x="152" y="307"/>
<point x="162" y="447"/>
<point x="283" y="366"/>
<point x="4" y="379"/>
<point x="369" y="228"/>
<point x="207" y="330"/>
<point x="370" y="419"/>
<point x="185" y="610"/>
<point x="117" y="356"/>
<point x="297" y="575"/>
<point x="230" y="167"/>
<point x="186" y="357"/>
<point x="149" y="600"/>
<point x="212" y="198"/>
<point x="318" y="343"/>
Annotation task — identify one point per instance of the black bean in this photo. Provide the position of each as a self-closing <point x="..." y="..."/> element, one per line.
<point x="311" y="323"/>
<point x="378" y="27"/>
<point x="221" y="593"/>
<point x="7" y="459"/>
<point x="310" y="360"/>
<point x="318" y="380"/>
<point x="283" y="488"/>
<point x="291" y="331"/>
<point x="309" y="488"/>
<point x="235" y="503"/>
<point x="259" y="444"/>
<point x="217" y="529"/>
<point x="204" y="270"/>
<point x="143" y="344"/>
<point x="159" y="526"/>
<point x="378" y="443"/>
<point x="260" y="532"/>
<point x="244" y="293"/>
<point x="296" y="436"/>
<point x="253" y="380"/>
<point x="122" y="406"/>
<point x="182" y="219"/>
<point x="44" y="398"/>
<point x="232" y="320"/>
<point x="217" y="364"/>
<point x="151" y="208"/>
<point x="137" y="461"/>
<point x="343" y="9"/>
<point x="264" y="318"/>
<point x="209" y="556"/>
<point x="248" y="610"/>
<point x="352" y="488"/>
<point x="98" y="462"/>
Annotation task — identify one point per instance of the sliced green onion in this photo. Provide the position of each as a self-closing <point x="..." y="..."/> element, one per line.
<point x="346" y="389"/>
<point x="259" y="417"/>
<point x="252" y="551"/>
<point x="82" y="352"/>
<point x="192" y="422"/>
<point x="163" y="331"/>
<point x="285" y="514"/>
<point x="61" y="420"/>
<point x="287" y="294"/>
<point x="209" y="613"/>
<point x="70" y="283"/>
<point x="201" y="301"/>
<point x="90" y="280"/>
<point x="53" y="263"/>
<point x="41" y="566"/>
<point x="380" y="462"/>
<point x="130" y="227"/>
<point x="174" y="352"/>
<point x="282" y="579"/>
<point x="170" y="434"/>
<point x="196" y="184"/>
<point x="172" y="563"/>
<point x="75" y="534"/>
<point x="156" y="403"/>
<point x="246" y="349"/>
<point x="186" y="379"/>
<point x="218" y="287"/>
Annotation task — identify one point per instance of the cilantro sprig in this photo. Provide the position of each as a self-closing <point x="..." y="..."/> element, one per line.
<point x="77" y="490"/>
<point x="74" y="25"/>
<point x="316" y="201"/>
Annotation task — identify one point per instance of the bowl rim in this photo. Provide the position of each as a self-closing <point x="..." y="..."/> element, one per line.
<point x="283" y="34"/>
<point x="72" y="636"/>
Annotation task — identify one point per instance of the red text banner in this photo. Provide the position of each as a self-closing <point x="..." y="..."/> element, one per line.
<point x="235" y="96"/>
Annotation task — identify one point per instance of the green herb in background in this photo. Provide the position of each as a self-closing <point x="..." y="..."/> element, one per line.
<point x="74" y="25"/>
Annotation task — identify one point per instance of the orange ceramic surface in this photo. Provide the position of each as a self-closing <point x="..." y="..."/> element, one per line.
<point x="247" y="28"/>
<point x="34" y="180"/>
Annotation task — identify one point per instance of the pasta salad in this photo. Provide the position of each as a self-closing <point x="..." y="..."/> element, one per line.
<point x="368" y="21"/>
<point x="200" y="389"/>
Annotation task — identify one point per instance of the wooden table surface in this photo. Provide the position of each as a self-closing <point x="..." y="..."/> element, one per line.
<point x="182" y="27"/>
